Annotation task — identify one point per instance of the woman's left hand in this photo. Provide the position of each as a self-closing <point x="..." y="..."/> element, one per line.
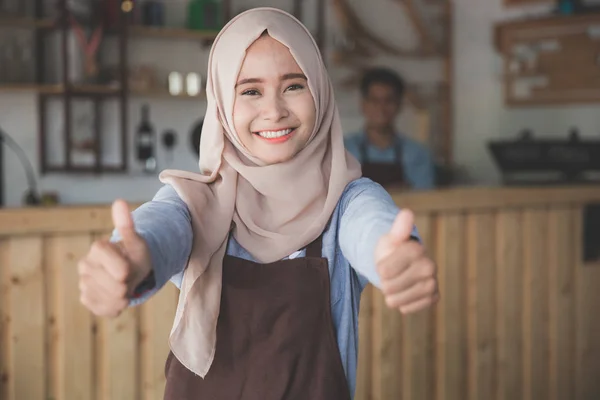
<point x="408" y="276"/>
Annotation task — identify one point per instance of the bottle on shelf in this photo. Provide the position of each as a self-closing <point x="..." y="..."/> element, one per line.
<point x="145" y="141"/>
<point x="566" y="7"/>
<point x="153" y="13"/>
<point x="205" y="14"/>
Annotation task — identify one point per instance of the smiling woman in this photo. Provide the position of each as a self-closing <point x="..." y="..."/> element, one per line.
<point x="274" y="111"/>
<point x="272" y="242"/>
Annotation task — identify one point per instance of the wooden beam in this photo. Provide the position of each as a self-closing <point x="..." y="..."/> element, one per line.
<point x="414" y="98"/>
<point x="363" y="38"/>
<point x="320" y="39"/>
<point x="427" y="42"/>
<point x="297" y="11"/>
<point x="512" y="3"/>
<point x="448" y="108"/>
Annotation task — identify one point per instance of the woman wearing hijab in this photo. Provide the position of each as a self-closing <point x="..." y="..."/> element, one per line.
<point x="272" y="242"/>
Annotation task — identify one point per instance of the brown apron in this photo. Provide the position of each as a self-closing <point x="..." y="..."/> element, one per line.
<point x="275" y="336"/>
<point x="386" y="174"/>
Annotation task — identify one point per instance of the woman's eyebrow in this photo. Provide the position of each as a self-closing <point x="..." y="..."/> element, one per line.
<point x="293" y="76"/>
<point x="284" y="77"/>
<point x="248" y="80"/>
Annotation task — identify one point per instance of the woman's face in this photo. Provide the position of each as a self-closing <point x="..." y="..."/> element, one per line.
<point x="274" y="112"/>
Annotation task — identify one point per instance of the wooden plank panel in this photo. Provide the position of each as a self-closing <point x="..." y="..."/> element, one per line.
<point x="6" y="374"/>
<point x="100" y="366"/>
<point x="156" y="318"/>
<point x="116" y="351"/>
<point x="560" y="296"/>
<point x="73" y="324"/>
<point x="509" y="255"/>
<point x="387" y="350"/>
<point x="54" y="336"/>
<point x="479" y="200"/>
<point x="587" y="361"/>
<point x="482" y="306"/>
<point x="54" y="220"/>
<point x="562" y="302"/>
<point x="451" y="318"/>
<point x="63" y="220"/>
<point x="365" y="347"/>
<point x="27" y="318"/>
<point x="418" y="353"/>
<point x="121" y="356"/>
<point x="536" y="342"/>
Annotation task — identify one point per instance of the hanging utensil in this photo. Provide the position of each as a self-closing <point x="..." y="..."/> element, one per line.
<point x="169" y="140"/>
<point x="195" y="137"/>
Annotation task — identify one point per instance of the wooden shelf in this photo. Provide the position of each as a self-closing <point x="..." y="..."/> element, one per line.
<point x="517" y="3"/>
<point x="164" y="94"/>
<point x="534" y="27"/>
<point x="22" y="88"/>
<point x="94" y="90"/>
<point x="91" y="89"/>
<point x="172" y="33"/>
<point x="58" y="89"/>
<point x="134" y="30"/>
<point x="85" y="169"/>
<point x="25" y="23"/>
<point x="560" y="50"/>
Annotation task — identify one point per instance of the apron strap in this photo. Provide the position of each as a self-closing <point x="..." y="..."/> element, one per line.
<point x="363" y="151"/>
<point x="398" y="152"/>
<point x="314" y="249"/>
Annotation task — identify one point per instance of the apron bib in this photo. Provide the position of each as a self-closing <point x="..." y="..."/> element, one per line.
<point x="386" y="174"/>
<point x="275" y="336"/>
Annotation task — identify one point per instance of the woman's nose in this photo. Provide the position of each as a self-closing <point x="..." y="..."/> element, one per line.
<point x="274" y="108"/>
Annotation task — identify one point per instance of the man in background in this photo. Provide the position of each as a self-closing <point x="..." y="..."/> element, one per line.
<point x="388" y="157"/>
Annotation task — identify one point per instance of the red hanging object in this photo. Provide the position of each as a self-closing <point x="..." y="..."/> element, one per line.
<point x="90" y="47"/>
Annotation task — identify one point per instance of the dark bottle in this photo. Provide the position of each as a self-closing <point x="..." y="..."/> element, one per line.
<point x="566" y="7"/>
<point x="145" y="141"/>
<point x="205" y="14"/>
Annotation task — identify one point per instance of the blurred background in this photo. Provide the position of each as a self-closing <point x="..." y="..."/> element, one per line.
<point x="100" y="94"/>
<point x="481" y="115"/>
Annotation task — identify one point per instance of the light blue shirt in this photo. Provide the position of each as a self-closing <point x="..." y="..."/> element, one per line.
<point x="364" y="213"/>
<point x="417" y="163"/>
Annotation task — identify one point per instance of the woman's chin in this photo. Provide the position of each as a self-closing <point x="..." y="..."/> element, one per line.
<point x="276" y="158"/>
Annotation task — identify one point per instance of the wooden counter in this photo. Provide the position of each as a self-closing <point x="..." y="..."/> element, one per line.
<point x="517" y="319"/>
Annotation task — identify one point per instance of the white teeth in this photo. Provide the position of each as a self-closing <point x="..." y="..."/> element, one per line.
<point x="275" y="134"/>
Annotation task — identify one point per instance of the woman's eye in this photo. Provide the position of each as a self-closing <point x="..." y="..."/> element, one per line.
<point x="250" y="92"/>
<point x="296" y="86"/>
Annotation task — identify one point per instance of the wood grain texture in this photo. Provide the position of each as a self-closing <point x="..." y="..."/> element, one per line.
<point x="516" y="318"/>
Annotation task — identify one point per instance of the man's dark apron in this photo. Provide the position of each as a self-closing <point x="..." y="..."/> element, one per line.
<point x="386" y="174"/>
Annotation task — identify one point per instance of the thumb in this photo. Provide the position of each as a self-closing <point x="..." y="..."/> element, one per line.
<point x="403" y="226"/>
<point x="123" y="221"/>
<point x="398" y="234"/>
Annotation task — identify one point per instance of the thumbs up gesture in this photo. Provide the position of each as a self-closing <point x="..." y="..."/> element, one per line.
<point x="110" y="272"/>
<point x="408" y="276"/>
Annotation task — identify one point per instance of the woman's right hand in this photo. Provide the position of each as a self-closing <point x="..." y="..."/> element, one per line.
<point x="110" y="272"/>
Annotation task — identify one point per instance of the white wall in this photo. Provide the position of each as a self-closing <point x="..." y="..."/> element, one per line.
<point x="480" y="114"/>
<point x="479" y="111"/>
<point x="18" y="114"/>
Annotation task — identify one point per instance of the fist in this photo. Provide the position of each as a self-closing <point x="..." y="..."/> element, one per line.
<point x="408" y="275"/>
<point x="110" y="272"/>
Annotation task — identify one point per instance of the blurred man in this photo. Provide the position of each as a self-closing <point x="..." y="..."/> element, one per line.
<point x="387" y="156"/>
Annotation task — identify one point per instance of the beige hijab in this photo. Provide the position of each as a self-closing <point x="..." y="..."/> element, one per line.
<point x="272" y="211"/>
